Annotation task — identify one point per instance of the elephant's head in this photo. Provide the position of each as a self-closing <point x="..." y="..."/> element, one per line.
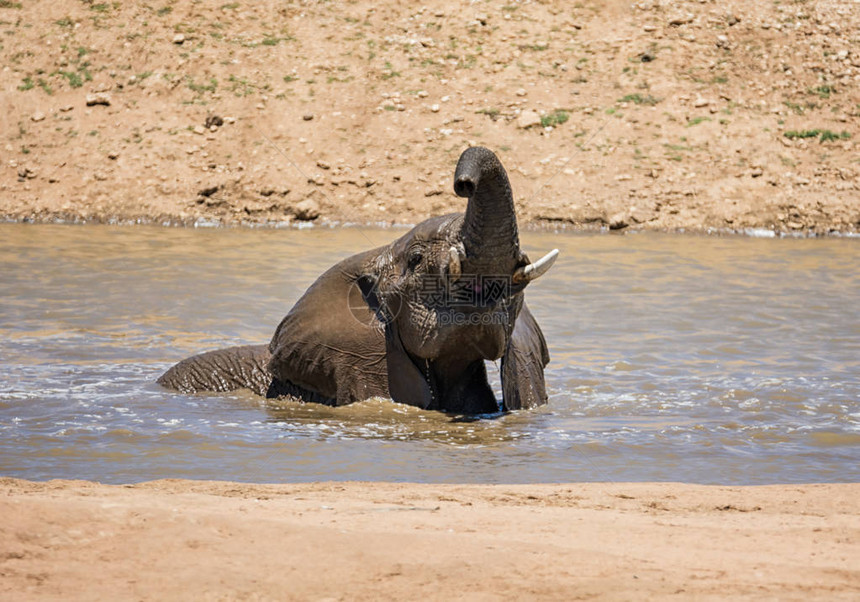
<point x="450" y="295"/>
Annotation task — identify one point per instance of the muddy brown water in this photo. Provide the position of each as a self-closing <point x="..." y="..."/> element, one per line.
<point x="674" y="358"/>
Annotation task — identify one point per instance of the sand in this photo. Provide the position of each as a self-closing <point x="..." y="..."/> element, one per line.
<point x="181" y="540"/>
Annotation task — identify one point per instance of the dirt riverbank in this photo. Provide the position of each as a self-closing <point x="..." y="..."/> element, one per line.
<point x="692" y="115"/>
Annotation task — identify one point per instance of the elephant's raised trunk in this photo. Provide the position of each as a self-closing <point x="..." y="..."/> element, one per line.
<point x="489" y="233"/>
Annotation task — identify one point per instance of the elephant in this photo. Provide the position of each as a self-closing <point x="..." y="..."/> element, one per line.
<point x="412" y="321"/>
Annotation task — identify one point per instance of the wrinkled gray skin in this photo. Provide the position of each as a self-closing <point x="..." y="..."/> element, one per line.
<point x="367" y="326"/>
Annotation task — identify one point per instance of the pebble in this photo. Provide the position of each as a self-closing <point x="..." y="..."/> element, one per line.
<point x="527" y="119"/>
<point x="179" y="39"/>
<point x="521" y="92"/>
<point x="98" y="98"/>
<point x="37" y="116"/>
<point x="209" y="190"/>
<point x="25" y="173"/>
<point x="307" y="210"/>
<point x="701" y="102"/>
<point x="308" y="116"/>
<point x="434" y="108"/>
<point x="618" y="222"/>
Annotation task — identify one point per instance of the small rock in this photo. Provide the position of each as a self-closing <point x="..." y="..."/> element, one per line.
<point x="422" y="94"/>
<point x="98" y="98"/>
<point x="679" y="20"/>
<point x="307" y="210"/>
<point x="323" y="165"/>
<point x="618" y="222"/>
<point x="308" y="116"/>
<point x="649" y="28"/>
<point x="647" y="56"/>
<point x="527" y="119"/>
<point x="66" y="108"/>
<point x="434" y="108"/>
<point x="701" y="102"/>
<point x="521" y="92"/>
<point x="433" y="192"/>
<point x="179" y="39"/>
<point x="213" y="120"/>
<point x="113" y="155"/>
<point x="37" y="116"/>
<point x="733" y="20"/>
<point x="756" y="172"/>
<point x="199" y="129"/>
<point x="25" y="173"/>
<point x="209" y="190"/>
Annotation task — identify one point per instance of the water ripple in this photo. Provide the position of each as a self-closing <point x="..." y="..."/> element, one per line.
<point x="692" y="359"/>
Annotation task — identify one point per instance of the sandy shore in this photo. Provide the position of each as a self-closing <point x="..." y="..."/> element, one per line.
<point x="359" y="541"/>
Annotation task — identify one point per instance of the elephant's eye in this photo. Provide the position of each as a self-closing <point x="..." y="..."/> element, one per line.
<point x="415" y="258"/>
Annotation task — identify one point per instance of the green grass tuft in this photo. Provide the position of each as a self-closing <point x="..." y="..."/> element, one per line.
<point x="555" y="118"/>
<point x="640" y="100"/>
<point x="822" y="135"/>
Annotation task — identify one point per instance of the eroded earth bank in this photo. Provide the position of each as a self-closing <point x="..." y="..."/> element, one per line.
<point x="694" y="115"/>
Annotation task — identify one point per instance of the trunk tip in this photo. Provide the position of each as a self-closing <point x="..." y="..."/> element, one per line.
<point x="475" y="162"/>
<point x="465" y="186"/>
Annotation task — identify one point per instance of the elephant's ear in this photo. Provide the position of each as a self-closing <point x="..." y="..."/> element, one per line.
<point x="331" y="342"/>
<point x="406" y="383"/>
<point x="523" y="363"/>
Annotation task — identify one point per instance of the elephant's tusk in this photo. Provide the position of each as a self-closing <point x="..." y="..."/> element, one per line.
<point x="535" y="270"/>
<point x="454" y="268"/>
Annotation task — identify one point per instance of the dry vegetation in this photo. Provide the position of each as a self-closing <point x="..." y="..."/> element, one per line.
<point x="695" y="115"/>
